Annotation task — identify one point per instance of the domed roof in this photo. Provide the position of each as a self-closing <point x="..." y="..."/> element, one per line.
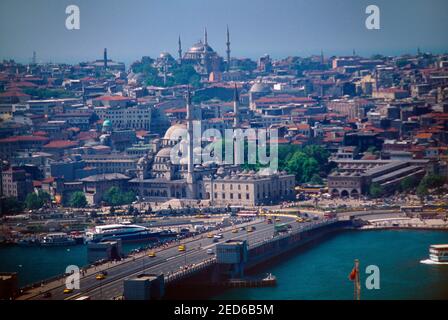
<point x="107" y="123"/>
<point x="266" y="172"/>
<point x="165" y="55"/>
<point x="164" y="153"/>
<point x="175" y="131"/>
<point x="260" y="87"/>
<point x="200" y="47"/>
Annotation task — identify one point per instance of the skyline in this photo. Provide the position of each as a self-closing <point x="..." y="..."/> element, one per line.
<point x="139" y="29"/>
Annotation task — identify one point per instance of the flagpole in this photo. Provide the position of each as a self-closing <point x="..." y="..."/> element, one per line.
<point x="357" y="282"/>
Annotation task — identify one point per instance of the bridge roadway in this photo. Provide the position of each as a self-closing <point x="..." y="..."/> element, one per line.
<point x="167" y="261"/>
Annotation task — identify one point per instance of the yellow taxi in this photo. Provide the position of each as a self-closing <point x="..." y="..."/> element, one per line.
<point x="68" y="290"/>
<point x="235" y="231"/>
<point x="181" y="248"/>
<point x="299" y="220"/>
<point x="249" y="229"/>
<point x="151" y="254"/>
<point x="209" y="235"/>
<point x="100" y="276"/>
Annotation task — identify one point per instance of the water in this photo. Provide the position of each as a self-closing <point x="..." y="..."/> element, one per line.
<point x="38" y="263"/>
<point x="321" y="271"/>
<point x="318" y="272"/>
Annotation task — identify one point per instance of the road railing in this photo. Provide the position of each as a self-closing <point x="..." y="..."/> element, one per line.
<point x="189" y="269"/>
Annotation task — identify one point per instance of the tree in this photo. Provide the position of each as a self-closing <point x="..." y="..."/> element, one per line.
<point x="78" y="200"/>
<point x="430" y="181"/>
<point x="116" y="197"/>
<point x="316" y="180"/>
<point x="186" y="74"/>
<point x="422" y="191"/>
<point x="32" y="201"/>
<point x="376" y="190"/>
<point x="408" y="183"/>
<point x="37" y="200"/>
<point x="433" y="181"/>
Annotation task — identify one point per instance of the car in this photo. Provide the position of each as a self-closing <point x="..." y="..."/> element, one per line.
<point x="47" y="294"/>
<point x="68" y="290"/>
<point x="209" y="235"/>
<point x="100" y="276"/>
<point x="243" y="228"/>
<point x="151" y="254"/>
<point x="181" y="248"/>
<point x="278" y="219"/>
<point x="210" y="251"/>
<point x="235" y="231"/>
<point x="215" y="240"/>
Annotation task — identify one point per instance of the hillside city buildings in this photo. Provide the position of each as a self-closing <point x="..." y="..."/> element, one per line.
<point x="90" y="126"/>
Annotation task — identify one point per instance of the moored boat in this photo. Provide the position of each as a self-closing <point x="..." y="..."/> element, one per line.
<point x="57" y="240"/>
<point x="123" y="232"/>
<point x="438" y="253"/>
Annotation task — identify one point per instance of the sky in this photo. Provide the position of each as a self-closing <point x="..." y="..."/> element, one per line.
<point x="134" y="28"/>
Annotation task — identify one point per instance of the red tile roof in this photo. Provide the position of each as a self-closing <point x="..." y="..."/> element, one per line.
<point x="113" y="98"/>
<point x="61" y="144"/>
<point x="23" y="139"/>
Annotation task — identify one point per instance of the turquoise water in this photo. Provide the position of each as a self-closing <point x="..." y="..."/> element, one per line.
<point x="321" y="271"/>
<point x="37" y="263"/>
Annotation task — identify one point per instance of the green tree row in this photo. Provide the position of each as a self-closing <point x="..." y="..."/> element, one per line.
<point x="116" y="197"/>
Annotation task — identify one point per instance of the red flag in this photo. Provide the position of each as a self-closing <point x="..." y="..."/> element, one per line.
<point x="352" y="275"/>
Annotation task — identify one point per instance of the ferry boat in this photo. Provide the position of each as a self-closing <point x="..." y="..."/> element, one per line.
<point x="57" y="239"/>
<point x="28" y="242"/>
<point x="438" y="253"/>
<point x="124" y="232"/>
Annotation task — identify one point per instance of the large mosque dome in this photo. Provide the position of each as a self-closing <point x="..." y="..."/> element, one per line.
<point x="175" y="131"/>
<point x="200" y="47"/>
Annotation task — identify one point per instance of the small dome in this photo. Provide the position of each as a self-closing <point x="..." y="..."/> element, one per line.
<point x="260" y="87"/>
<point x="165" y="55"/>
<point x="164" y="153"/>
<point x="107" y="123"/>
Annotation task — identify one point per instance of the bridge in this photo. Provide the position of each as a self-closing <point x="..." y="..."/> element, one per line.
<point x="263" y="244"/>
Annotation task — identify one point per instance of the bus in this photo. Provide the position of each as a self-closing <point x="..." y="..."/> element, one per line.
<point x="282" y="227"/>
<point x="410" y="209"/>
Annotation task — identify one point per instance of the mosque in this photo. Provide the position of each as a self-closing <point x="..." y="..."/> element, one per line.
<point x="160" y="179"/>
<point x="201" y="56"/>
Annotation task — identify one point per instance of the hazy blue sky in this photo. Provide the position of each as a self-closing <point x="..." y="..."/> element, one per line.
<point x="132" y="28"/>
